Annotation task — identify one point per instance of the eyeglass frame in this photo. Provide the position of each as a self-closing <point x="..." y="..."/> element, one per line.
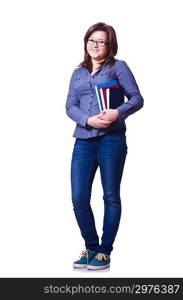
<point x="96" y="42"/>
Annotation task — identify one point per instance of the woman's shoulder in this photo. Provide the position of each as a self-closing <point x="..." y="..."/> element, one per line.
<point x="119" y="66"/>
<point x="78" y="71"/>
<point x="119" y="63"/>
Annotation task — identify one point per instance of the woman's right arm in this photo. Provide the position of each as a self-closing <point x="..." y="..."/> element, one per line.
<point x="72" y="105"/>
<point x="74" y="112"/>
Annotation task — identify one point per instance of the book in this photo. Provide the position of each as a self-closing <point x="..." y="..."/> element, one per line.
<point x="109" y="95"/>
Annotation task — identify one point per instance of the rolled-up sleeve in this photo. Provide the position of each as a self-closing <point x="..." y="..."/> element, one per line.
<point x="73" y="105"/>
<point x="127" y="81"/>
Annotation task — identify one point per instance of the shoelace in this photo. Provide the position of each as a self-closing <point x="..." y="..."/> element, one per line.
<point x="102" y="256"/>
<point x="84" y="253"/>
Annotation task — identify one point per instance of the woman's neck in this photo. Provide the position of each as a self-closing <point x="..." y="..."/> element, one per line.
<point x="95" y="65"/>
<point x="96" y="62"/>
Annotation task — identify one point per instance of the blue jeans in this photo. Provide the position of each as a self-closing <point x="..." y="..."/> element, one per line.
<point x="109" y="153"/>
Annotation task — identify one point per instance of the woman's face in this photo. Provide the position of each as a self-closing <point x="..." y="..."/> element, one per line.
<point x="98" y="51"/>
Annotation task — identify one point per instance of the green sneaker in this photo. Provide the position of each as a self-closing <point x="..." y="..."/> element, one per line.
<point x="99" y="262"/>
<point x="85" y="257"/>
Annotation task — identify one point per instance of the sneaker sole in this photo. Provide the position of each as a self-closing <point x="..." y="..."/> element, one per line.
<point x="79" y="266"/>
<point x="97" y="267"/>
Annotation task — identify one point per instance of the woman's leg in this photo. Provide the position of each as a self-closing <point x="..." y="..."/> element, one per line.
<point x="83" y="168"/>
<point x="111" y="158"/>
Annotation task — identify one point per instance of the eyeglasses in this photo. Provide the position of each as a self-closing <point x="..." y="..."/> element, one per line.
<point x="99" y="43"/>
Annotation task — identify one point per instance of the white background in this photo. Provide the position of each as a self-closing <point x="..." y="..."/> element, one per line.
<point x="41" y="44"/>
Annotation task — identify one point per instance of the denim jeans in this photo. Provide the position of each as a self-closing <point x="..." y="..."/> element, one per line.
<point x="109" y="153"/>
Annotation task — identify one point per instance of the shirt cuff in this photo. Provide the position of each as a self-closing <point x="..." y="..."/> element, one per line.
<point x="84" y="120"/>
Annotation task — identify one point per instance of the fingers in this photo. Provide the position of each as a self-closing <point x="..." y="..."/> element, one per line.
<point x="105" y="123"/>
<point x="104" y="126"/>
<point x="104" y="118"/>
<point x="99" y="121"/>
<point x="102" y="113"/>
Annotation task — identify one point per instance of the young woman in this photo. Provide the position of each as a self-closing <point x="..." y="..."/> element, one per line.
<point x="100" y="139"/>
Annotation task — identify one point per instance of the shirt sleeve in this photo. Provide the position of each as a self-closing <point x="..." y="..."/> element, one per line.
<point x="131" y="91"/>
<point x="72" y="105"/>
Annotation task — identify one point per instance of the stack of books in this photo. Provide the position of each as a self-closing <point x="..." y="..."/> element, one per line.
<point x="109" y="95"/>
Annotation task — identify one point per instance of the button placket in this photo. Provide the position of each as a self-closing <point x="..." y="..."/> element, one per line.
<point x="91" y="88"/>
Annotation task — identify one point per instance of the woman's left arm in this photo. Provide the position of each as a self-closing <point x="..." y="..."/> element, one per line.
<point x="131" y="91"/>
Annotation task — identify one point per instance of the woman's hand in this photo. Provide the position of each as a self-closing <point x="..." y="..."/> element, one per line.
<point x="97" y="121"/>
<point x="109" y="115"/>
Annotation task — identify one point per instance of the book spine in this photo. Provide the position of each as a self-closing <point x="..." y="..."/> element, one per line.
<point x="98" y="98"/>
<point x="104" y="95"/>
<point x="102" y="98"/>
<point x="107" y="96"/>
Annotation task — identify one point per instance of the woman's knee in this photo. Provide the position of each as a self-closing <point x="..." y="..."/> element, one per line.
<point x="81" y="201"/>
<point x="113" y="199"/>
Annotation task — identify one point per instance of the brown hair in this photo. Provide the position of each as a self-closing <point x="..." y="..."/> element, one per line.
<point x="112" y="44"/>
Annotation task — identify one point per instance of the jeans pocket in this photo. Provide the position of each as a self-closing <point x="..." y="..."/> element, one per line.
<point x="117" y="140"/>
<point x="119" y="135"/>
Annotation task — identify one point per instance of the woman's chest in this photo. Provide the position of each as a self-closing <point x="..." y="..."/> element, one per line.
<point x="86" y="82"/>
